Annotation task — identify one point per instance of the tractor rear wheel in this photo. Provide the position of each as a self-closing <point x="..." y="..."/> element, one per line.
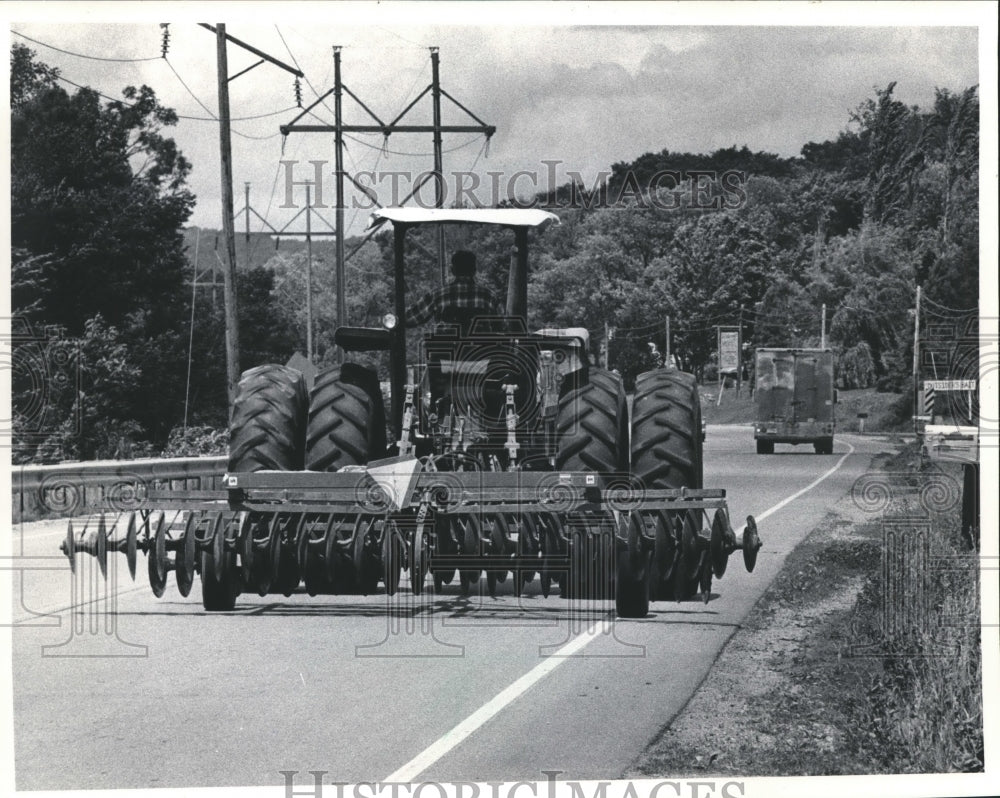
<point x="268" y="428"/>
<point x="667" y="445"/>
<point x="267" y="433"/>
<point x="344" y="426"/>
<point x="593" y="426"/>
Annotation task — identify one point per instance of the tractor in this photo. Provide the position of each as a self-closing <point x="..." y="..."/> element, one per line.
<point x="504" y="452"/>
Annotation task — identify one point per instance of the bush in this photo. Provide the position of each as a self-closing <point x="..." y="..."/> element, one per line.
<point x="196" y="442"/>
<point x="857" y="367"/>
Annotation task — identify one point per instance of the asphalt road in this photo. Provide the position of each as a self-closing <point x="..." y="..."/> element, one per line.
<point x="161" y="694"/>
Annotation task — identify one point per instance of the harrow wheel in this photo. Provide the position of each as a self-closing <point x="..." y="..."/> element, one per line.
<point x="285" y="563"/>
<point x="664" y="560"/>
<point x="527" y="546"/>
<point x="258" y="554"/>
<point x="632" y="588"/>
<point x="366" y="565"/>
<point x="468" y="533"/>
<point x="718" y="546"/>
<point x="217" y="542"/>
<point x="751" y="544"/>
<point x="101" y="547"/>
<point x="688" y="570"/>
<point x="312" y="555"/>
<point x="184" y="557"/>
<point x="131" y="545"/>
<point x="419" y="554"/>
<point x="157" y="560"/>
<point x="392" y="556"/>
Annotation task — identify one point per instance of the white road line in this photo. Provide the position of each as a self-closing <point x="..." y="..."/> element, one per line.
<point x="785" y="502"/>
<point x="437" y="749"/>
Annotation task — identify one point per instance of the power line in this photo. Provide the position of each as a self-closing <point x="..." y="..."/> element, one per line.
<point x="188" y="88"/>
<point x="83" y="55"/>
<point x="179" y="116"/>
<point x="400" y="152"/>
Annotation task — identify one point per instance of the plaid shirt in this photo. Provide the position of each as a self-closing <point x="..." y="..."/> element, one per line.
<point x="462" y="293"/>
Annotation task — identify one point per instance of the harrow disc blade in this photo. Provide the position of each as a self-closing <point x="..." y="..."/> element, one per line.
<point x="184" y="557"/>
<point x="217" y="544"/>
<point x="469" y="534"/>
<point x="331" y="553"/>
<point x="717" y="546"/>
<point x="244" y="544"/>
<point x="392" y="557"/>
<point x="131" y="545"/>
<point x="419" y="551"/>
<point x="751" y="544"/>
<point x="101" y="547"/>
<point x="157" y="558"/>
<point x="687" y="570"/>
<point x="366" y="564"/>
<point x="68" y="547"/>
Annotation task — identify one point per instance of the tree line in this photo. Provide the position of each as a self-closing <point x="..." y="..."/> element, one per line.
<point x="102" y="299"/>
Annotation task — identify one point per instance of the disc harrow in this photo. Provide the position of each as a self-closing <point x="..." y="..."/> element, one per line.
<point x="277" y="532"/>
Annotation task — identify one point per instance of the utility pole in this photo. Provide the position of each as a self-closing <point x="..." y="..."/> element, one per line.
<point x="309" y="275"/>
<point x="438" y="164"/>
<point x="246" y="214"/>
<point x="666" y="344"/>
<point x="339" y="221"/>
<point x="228" y="222"/>
<point x="739" y="354"/>
<point x="916" y="360"/>
<point x="229" y="264"/>
<point x="822" y="328"/>
<point x="607" y="346"/>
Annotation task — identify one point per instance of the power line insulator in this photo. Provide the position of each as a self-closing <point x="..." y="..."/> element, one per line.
<point x="298" y="93"/>
<point x="165" y="39"/>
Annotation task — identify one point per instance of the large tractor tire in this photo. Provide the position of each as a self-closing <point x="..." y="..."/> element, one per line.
<point x="592" y="426"/>
<point x="268" y="427"/>
<point x="667" y="454"/>
<point x="267" y="433"/>
<point x="666" y="430"/>
<point x="346" y="422"/>
<point x="593" y="436"/>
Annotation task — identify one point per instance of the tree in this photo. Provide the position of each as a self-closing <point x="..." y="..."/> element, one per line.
<point x="97" y="204"/>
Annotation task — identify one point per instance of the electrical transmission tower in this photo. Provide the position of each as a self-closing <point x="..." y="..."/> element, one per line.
<point x="386" y="129"/>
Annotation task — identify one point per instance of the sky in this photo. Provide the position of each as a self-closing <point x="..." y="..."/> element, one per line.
<point x="583" y="88"/>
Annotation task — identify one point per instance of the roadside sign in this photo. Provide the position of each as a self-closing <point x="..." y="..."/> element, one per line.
<point x="949" y="385"/>
<point x="729" y="350"/>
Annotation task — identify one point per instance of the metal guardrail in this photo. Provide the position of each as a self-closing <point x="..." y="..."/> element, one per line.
<point x="950" y="442"/>
<point x="113" y="485"/>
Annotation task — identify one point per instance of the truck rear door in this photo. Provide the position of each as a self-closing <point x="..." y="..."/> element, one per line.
<point x="775" y="385"/>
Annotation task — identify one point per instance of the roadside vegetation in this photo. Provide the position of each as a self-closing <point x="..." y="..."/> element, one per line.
<point x="817" y="683"/>
<point x="101" y="260"/>
<point x="886" y="411"/>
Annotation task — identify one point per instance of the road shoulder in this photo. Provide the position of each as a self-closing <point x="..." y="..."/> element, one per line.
<point x="790" y="695"/>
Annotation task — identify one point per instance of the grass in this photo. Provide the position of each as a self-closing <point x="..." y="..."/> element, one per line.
<point x="887" y="412"/>
<point x="816" y="683"/>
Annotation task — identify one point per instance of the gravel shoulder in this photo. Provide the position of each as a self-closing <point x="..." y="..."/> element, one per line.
<point x="789" y="695"/>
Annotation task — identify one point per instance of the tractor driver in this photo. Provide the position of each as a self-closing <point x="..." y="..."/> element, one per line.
<point x="459" y="302"/>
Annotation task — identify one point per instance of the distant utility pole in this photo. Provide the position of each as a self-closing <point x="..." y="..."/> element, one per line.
<point x="916" y="360"/>
<point x="666" y="344"/>
<point x="309" y="274"/>
<point x="822" y="328"/>
<point x="228" y="226"/>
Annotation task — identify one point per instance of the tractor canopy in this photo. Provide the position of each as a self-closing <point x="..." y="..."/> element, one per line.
<point x="505" y="217"/>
